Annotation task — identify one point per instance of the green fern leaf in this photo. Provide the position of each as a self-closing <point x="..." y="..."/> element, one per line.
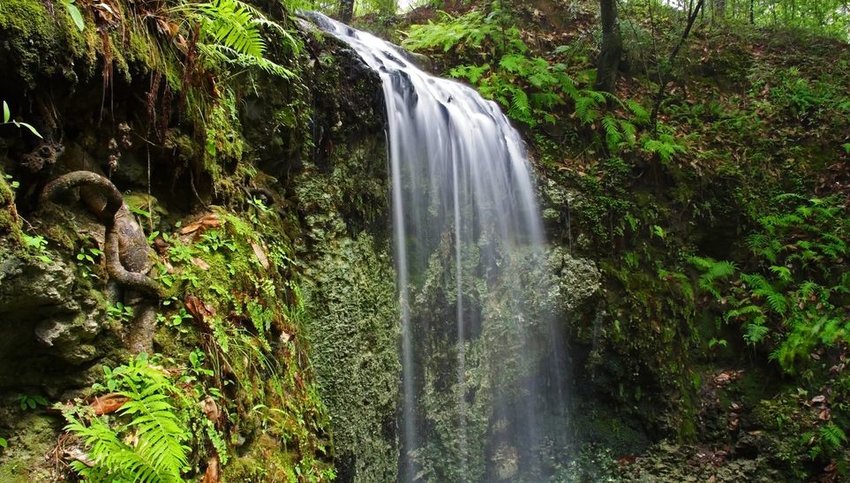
<point x="755" y="333"/>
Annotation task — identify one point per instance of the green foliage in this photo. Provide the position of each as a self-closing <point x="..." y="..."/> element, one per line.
<point x="531" y="89"/>
<point x="31" y="401"/>
<point x="89" y="259"/>
<point x="7" y="119"/>
<point x="663" y="145"/>
<point x="75" y="14"/>
<point x="231" y="35"/>
<point x="36" y="245"/>
<point x="232" y="277"/>
<point x="794" y="301"/>
<point x="713" y="271"/>
<point x="797" y="97"/>
<point x="3" y="443"/>
<point x="120" y="313"/>
<point x="156" y="452"/>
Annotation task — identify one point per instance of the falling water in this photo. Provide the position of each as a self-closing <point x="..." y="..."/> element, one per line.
<point x="467" y="236"/>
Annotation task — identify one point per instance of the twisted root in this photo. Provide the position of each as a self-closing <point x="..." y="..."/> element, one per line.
<point x="126" y="250"/>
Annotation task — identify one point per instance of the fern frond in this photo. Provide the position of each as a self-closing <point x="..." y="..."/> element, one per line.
<point x="158" y="452"/>
<point x="755" y="333"/>
<point x="613" y="137"/>
<point x="586" y="108"/>
<point x="748" y="311"/>
<point x="225" y="55"/>
<point x="783" y="273"/>
<point x="832" y="436"/>
<point x="641" y="114"/>
<point x="231" y="24"/>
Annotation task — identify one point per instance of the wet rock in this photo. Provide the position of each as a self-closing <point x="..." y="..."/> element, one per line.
<point x="578" y="279"/>
<point x="48" y="323"/>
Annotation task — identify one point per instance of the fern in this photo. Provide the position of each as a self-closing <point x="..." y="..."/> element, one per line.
<point x="832" y="436"/>
<point x="231" y="35"/>
<point x="783" y="273"/>
<point x="613" y="136"/>
<point x="713" y="270"/>
<point x="642" y="116"/>
<point x="755" y="333"/>
<point x="586" y="109"/>
<point x="665" y="146"/>
<point x="146" y="441"/>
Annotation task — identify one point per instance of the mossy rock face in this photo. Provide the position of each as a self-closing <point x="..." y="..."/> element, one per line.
<point x="350" y="293"/>
<point x="352" y="320"/>
<point x="51" y="324"/>
<point x="31" y="436"/>
<point x="354" y="337"/>
<point x="38" y="42"/>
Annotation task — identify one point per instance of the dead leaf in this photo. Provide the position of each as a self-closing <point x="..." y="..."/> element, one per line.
<point x="200" y="263"/>
<point x="202" y="224"/>
<point x="211" y="475"/>
<point x="199" y="309"/>
<point x="76" y="453"/>
<point x="261" y="255"/>
<point x="819" y="399"/>
<point x="108" y="403"/>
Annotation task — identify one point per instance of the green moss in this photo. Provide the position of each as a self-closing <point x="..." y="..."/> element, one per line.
<point x="32" y="436"/>
<point x="352" y="311"/>
<point x="38" y="42"/>
<point x="233" y="274"/>
<point x="353" y="330"/>
<point x="223" y="137"/>
<point x="10" y="223"/>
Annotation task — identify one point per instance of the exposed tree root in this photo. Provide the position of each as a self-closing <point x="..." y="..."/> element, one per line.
<point x="126" y="249"/>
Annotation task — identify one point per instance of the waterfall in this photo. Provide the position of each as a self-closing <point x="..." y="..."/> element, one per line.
<point x="477" y="347"/>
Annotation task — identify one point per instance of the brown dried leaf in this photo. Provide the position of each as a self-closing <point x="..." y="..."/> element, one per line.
<point x="285" y="336"/>
<point x="200" y="263"/>
<point x="210" y="409"/>
<point x="108" y="403"/>
<point x="202" y="224"/>
<point x="199" y="309"/>
<point x="261" y="255"/>
<point x="211" y="475"/>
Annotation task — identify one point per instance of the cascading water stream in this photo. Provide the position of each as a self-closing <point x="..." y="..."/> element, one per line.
<point x="468" y="242"/>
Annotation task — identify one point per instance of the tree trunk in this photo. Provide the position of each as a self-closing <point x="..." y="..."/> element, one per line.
<point x="346" y="10"/>
<point x="611" y="51"/>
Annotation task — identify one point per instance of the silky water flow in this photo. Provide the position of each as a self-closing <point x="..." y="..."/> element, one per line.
<point x="482" y="366"/>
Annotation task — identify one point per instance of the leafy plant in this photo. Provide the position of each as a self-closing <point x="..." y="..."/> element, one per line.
<point x="12" y="182"/>
<point x="793" y="300"/>
<point x="156" y="451"/>
<point x="7" y="119"/>
<point x="27" y="401"/>
<point x="530" y="88"/>
<point x="89" y="258"/>
<point x="75" y="14"/>
<point x="37" y="245"/>
<point x="231" y="34"/>
<point x="120" y="313"/>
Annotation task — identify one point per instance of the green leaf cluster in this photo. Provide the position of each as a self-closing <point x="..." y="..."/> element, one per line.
<point x="145" y="441"/>
<point x="795" y="299"/>
<point x="231" y="34"/>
